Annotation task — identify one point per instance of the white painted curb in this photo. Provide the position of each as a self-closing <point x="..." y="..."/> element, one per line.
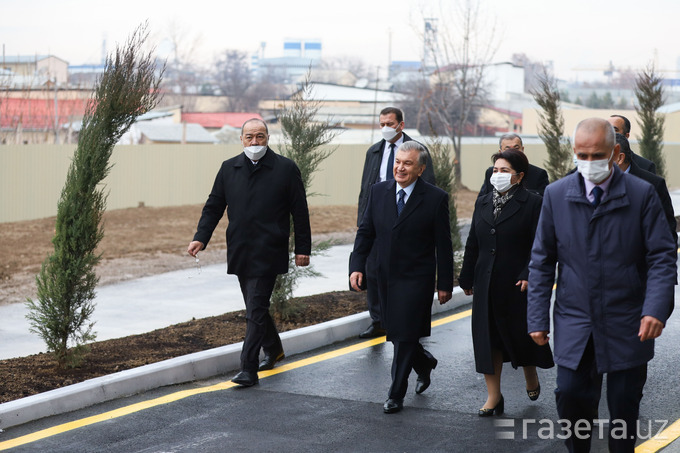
<point x="191" y="367"/>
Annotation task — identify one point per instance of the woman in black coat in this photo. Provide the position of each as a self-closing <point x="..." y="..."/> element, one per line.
<point x="495" y="271"/>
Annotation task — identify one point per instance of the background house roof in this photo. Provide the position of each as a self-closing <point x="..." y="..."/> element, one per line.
<point x="39" y="114"/>
<point x="219" y="119"/>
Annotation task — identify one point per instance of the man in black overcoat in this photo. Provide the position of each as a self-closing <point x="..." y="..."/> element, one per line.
<point x="377" y="168"/>
<point x="621" y="125"/>
<point x="260" y="190"/>
<point x="536" y="179"/>
<point x="627" y="165"/>
<point x="407" y="223"/>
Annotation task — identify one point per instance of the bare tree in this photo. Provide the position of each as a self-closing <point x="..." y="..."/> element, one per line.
<point x="417" y="104"/>
<point x="234" y="79"/>
<point x="551" y="126"/>
<point x="348" y="63"/>
<point x="182" y="69"/>
<point x="461" y="53"/>
<point x="650" y="96"/>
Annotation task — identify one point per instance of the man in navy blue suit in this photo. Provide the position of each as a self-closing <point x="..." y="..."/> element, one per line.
<point x="407" y="223"/>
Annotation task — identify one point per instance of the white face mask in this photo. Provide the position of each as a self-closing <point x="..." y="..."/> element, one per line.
<point x="255" y="152"/>
<point x="501" y="181"/>
<point x="575" y="161"/>
<point x="595" y="171"/>
<point x="388" y="133"/>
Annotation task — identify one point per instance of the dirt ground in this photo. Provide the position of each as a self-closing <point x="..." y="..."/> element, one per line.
<point x="146" y="241"/>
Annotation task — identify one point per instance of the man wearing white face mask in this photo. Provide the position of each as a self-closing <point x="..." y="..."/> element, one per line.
<point x="262" y="190"/>
<point x="378" y="167"/>
<point x="607" y="234"/>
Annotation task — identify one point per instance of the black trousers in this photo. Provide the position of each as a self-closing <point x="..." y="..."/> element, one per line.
<point x="372" y="299"/>
<point x="578" y="396"/>
<point x="408" y="355"/>
<point x="260" y="329"/>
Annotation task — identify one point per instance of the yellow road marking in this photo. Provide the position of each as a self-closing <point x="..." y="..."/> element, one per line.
<point x="65" y="427"/>
<point x="661" y="440"/>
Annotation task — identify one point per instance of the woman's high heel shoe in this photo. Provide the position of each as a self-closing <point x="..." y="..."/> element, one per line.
<point x="535" y="393"/>
<point x="498" y="410"/>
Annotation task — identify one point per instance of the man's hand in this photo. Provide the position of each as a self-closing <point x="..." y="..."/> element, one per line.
<point x="355" y="280"/>
<point x="194" y="248"/>
<point x="650" y="328"/>
<point x="469" y="291"/>
<point x="444" y="296"/>
<point x="540" y="338"/>
<point x="301" y="260"/>
<point x="523" y="284"/>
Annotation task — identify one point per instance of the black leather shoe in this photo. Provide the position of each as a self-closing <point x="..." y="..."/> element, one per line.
<point x="270" y="359"/>
<point x="245" y="379"/>
<point x="393" y="406"/>
<point x="374" y="330"/>
<point x="498" y="410"/>
<point x="423" y="381"/>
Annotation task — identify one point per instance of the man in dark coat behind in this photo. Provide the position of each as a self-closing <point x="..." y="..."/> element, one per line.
<point x="621" y="125"/>
<point x="616" y="272"/>
<point x="407" y="222"/>
<point x="260" y="190"/>
<point x="536" y="179"/>
<point x="378" y="167"/>
<point x="627" y="165"/>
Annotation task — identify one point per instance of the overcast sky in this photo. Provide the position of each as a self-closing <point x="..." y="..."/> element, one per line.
<point x="574" y="34"/>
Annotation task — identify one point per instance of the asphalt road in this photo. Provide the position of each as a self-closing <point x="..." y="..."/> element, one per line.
<point x="331" y="400"/>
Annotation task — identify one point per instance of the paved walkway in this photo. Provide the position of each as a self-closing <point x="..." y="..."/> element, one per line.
<point x="149" y="303"/>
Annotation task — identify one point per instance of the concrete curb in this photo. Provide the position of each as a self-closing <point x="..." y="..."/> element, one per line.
<point x="191" y="367"/>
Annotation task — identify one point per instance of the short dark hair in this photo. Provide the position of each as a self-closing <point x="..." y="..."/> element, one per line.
<point x="626" y="123"/>
<point x="517" y="159"/>
<point x="266" y="129"/>
<point x="509" y="136"/>
<point x="625" y="147"/>
<point x="397" y="112"/>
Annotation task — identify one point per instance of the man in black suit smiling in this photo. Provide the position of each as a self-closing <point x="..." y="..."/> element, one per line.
<point x="407" y="222"/>
<point x="377" y="168"/>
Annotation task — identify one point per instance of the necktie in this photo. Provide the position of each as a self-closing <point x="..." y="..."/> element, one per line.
<point x="597" y="195"/>
<point x="389" y="172"/>
<point x="400" y="201"/>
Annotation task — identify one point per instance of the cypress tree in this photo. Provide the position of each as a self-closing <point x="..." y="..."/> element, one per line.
<point x="306" y="141"/>
<point x="62" y="312"/>
<point x="551" y="128"/>
<point x="650" y="96"/>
